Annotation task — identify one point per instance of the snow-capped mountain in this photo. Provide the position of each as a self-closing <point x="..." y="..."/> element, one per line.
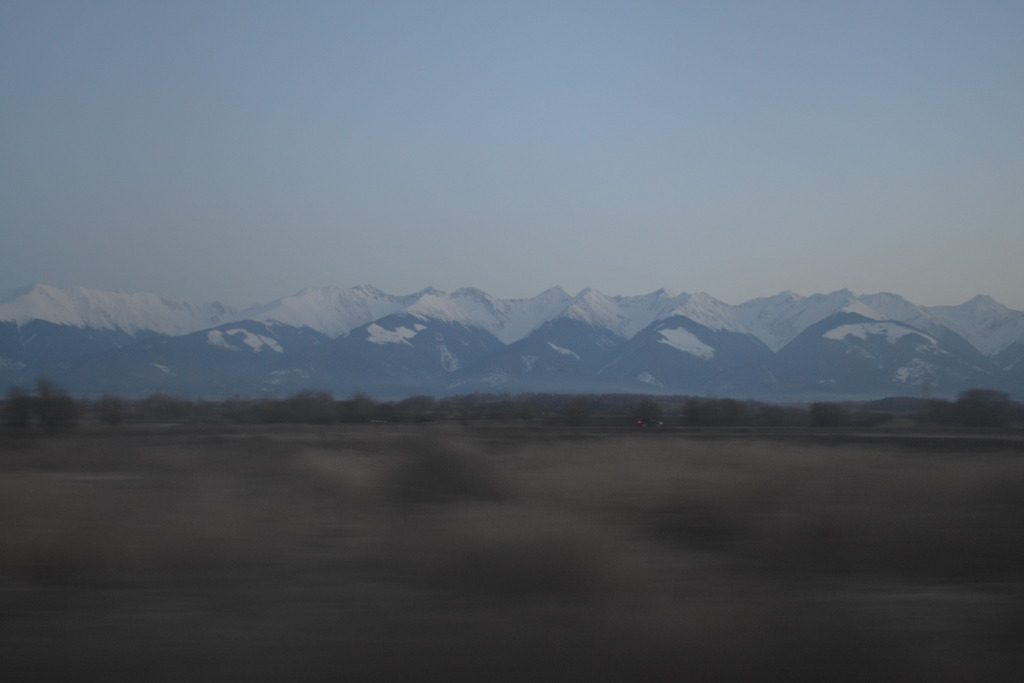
<point x="779" y="319"/>
<point x="683" y="355"/>
<point x="100" y="310"/>
<point x="430" y="341"/>
<point x="850" y="353"/>
<point x="507" y="319"/>
<point x="593" y="309"/>
<point x="43" y="324"/>
<point x="569" y="349"/>
<point x="335" y="311"/>
<point x="332" y="311"/>
<point x="987" y="324"/>
<point x="403" y="351"/>
<point x="241" y="358"/>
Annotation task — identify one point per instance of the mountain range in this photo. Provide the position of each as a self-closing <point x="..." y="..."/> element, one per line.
<point x="831" y="346"/>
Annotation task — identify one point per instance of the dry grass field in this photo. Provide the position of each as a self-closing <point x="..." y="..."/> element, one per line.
<point x="437" y="552"/>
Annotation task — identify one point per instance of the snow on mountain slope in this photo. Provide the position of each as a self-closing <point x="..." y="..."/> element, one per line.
<point x="335" y="311"/>
<point x="891" y="331"/>
<point x="628" y="315"/>
<point x="361" y="338"/>
<point x="708" y="311"/>
<point x="779" y="319"/>
<point x="81" y="307"/>
<point x="523" y="316"/>
<point x="375" y="334"/>
<point x="987" y="324"/>
<point x="466" y="306"/>
<point x="256" y="342"/>
<point x="888" y="306"/>
<point x="331" y="310"/>
<point x="599" y="311"/>
<point x="776" y="320"/>
<point x="507" y="319"/>
<point x="645" y="309"/>
<point x="686" y="341"/>
<point x="851" y="354"/>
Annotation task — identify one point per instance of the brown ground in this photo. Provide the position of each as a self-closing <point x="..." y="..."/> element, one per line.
<point x="429" y="552"/>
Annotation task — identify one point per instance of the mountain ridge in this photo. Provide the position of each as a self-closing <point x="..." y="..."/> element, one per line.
<point x="334" y="311"/>
<point x="435" y="341"/>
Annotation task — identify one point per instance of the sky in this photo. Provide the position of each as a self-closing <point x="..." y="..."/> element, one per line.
<point x="242" y="151"/>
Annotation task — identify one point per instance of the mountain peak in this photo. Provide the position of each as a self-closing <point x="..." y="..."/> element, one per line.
<point x="987" y="324"/>
<point x="597" y="310"/>
<point x="554" y="292"/>
<point x="708" y="311"/>
<point x="367" y="290"/>
<point x="984" y="301"/>
<point x="472" y="292"/>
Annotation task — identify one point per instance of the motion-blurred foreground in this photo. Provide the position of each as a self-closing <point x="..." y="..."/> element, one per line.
<point x="429" y="552"/>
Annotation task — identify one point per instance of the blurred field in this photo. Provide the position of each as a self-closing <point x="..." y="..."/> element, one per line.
<point x="433" y="552"/>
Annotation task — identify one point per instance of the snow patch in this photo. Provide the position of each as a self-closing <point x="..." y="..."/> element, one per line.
<point x="563" y="351"/>
<point x="378" y="335"/>
<point x="495" y="379"/>
<point x="257" y="342"/>
<point x="892" y="332"/>
<point x="687" y="342"/>
<point x="280" y="376"/>
<point x="916" y="371"/>
<point x="449" y="362"/>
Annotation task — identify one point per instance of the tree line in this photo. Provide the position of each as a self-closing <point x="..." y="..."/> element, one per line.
<point x="51" y="409"/>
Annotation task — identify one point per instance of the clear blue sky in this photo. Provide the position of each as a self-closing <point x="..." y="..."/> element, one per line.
<point x="244" y="150"/>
